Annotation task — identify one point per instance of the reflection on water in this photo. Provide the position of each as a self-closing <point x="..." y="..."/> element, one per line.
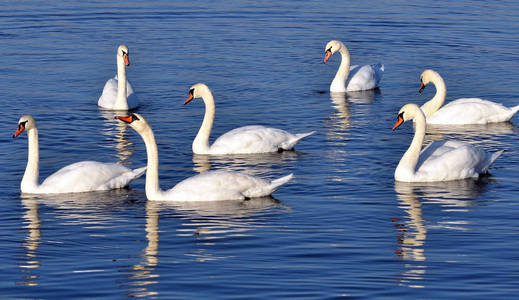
<point x="475" y="133"/>
<point x="142" y="275"/>
<point x="31" y="243"/>
<point x="412" y="230"/>
<point x="362" y="96"/>
<point x="118" y="131"/>
<point x="252" y="164"/>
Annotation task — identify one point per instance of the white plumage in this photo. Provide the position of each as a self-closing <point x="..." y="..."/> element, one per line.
<point x="439" y="161"/>
<point x="209" y="186"/>
<point x="84" y="176"/>
<point x="242" y="140"/>
<point x="460" y="111"/>
<point x="354" y="78"/>
<point x="118" y="93"/>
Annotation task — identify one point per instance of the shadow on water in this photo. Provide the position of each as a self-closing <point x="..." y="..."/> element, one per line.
<point x="412" y="230"/>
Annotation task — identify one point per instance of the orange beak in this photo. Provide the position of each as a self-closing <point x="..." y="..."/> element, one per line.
<point x="398" y="122"/>
<point x="327" y="55"/>
<point x="20" y="129"/>
<point x="422" y="86"/>
<point x="188" y="98"/>
<point x="127" y="119"/>
<point x="126" y="59"/>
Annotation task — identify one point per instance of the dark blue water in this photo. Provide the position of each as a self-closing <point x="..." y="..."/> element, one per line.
<point x="342" y="228"/>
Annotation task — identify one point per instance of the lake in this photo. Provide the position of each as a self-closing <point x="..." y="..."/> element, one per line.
<point x="341" y="228"/>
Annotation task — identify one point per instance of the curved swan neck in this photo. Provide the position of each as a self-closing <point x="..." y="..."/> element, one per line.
<point x="433" y="105"/>
<point x="32" y="171"/>
<point x="201" y="142"/>
<point x="407" y="164"/>
<point x="339" y="82"/>
<point x="152" y="170"/>
<point x="121" y="84"/>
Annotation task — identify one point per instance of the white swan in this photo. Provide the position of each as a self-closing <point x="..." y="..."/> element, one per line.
<point x="439" y="161"/>
<point x="460" y="111"/>
<point x="360" y="78"/>
<point x="242" y="140"/>
<point x="118" y="92"/>
<point x="84" y="176"/>
<point x="208" y="186"/>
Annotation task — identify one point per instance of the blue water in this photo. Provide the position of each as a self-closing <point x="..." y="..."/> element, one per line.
<point x="341" y="228"/>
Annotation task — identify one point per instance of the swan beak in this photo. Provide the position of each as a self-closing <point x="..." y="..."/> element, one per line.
<point x="327" y="55"/>
<point x="188" y="98"/>
<point x="422" y="87"/>
<point x="127" y="119"/>
<point x="20" y="129"/>
<point x="398" y="122"/>
<point x="126" y="59"/>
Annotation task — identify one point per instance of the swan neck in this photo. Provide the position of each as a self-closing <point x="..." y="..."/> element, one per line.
<point x="201" y="142"/>
<point x="121" y="84"/>
<point x="339" y="82"/>
<point x="32" y="171"/>
<point x="410" y="158"/>
<point x="433" y="105"/>
<point x="152" y="169"/>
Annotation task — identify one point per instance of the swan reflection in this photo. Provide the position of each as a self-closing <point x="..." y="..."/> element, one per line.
<point x="412" y="229"/>
<point x="117" y="131"/>
<point x="31" y="242"/>
<point x="251" y="164"/>
<point x="340" y="120"/>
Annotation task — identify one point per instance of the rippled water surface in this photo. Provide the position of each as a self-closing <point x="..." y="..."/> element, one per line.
<point x="342" y="227"/>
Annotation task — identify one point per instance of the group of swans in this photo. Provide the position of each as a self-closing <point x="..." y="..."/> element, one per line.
<point x="439" y="161"/>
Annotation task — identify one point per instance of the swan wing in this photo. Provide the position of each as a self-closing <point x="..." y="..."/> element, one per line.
<point x="109" y="94"/>
<point x="449" y="160"/>
<point x="88" y="176"/>
<point x="471" y="111"/>
<point x="365" y="77"/>
<point x="222" y="185"/>
<point x="253" y="139"/>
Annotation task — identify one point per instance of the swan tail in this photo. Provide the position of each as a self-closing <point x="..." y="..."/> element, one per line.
<point x="289" y="145"/>
<point x="124" y="179"/>
<point x="277" y="183"/>
<point x="514" y="109"/>
<point x="490" y="160"/>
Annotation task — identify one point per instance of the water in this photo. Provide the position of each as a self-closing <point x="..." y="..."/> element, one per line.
<point x="343" y="227"/>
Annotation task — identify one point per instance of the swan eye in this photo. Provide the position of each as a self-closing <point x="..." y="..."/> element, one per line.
<point x="400" y="116"/>
<point x="329" y="49"/>
<point x="135" y="118"/>
<point x="22" y="124"/>
<point x="191" y="91"/>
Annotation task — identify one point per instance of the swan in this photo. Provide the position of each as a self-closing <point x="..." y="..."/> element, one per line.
<point x="208" y="186"/>
<point x="362" y="78"/>
<point x="460" y="111"/>
<point x="118" y="92"/>
<point x="83" y="176"/>
<point x="440" y="160"/>
<point x="242" y="140"/>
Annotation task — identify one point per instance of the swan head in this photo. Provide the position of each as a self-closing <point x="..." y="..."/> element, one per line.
<point x="332" y="47"/>
<point x="427" y="77"/>
<point x="135" y="120"/>
<point x="198" y="90"/>
<point x="406" y="113"/>
<point x="25" y="123"/>
<point x="124" y="53"/>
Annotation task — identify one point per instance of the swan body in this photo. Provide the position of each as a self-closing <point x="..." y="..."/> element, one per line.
<point x="439" y="161"/>
<point x="242" y="140"/>
<point x="352" y="78"/>
<point x="84" y="176"/>
<point x="118" y="93"/>
<point x="208" y="186"/>
<point x="460" y="111"/>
